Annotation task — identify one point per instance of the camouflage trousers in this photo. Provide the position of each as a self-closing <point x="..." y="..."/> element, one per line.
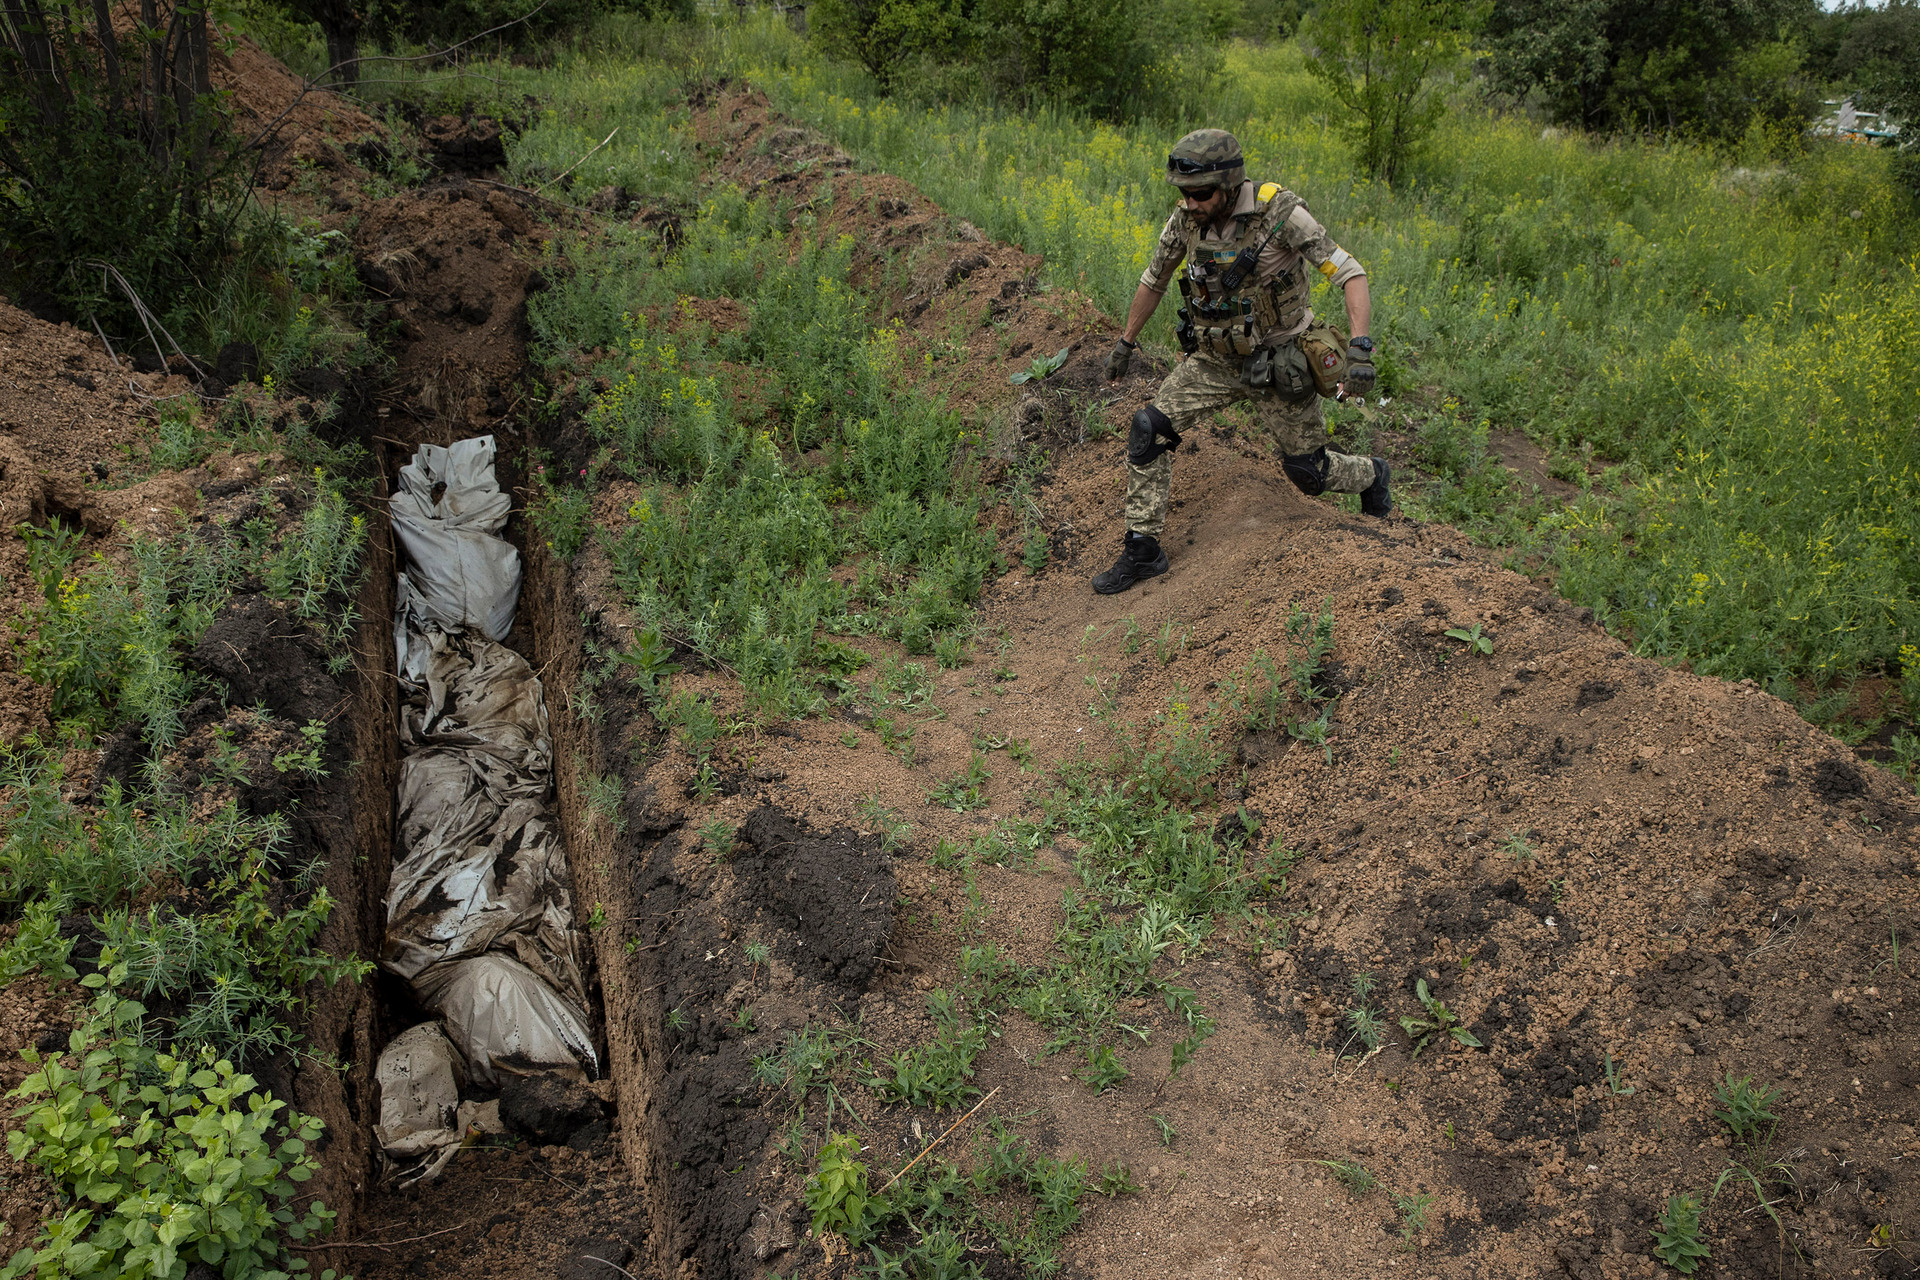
<point x="1196" y="387"/>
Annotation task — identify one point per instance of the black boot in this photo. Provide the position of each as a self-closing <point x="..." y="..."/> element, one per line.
<point x="1140" y="558"/>
<point x="1377" y="499"/>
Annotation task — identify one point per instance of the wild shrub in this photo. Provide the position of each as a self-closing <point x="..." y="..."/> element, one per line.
<point x="235" y="967"/>
<point x="733" y="543"/>
<point x="1380" y="60"/>
<point x="938" y="1074"/>
<point x="317" y="564"/>
<point x="163" y="1158"/>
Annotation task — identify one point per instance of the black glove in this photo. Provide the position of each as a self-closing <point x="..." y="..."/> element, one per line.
<point x="1360" y="376"/>
<point x="1119" y="358"/>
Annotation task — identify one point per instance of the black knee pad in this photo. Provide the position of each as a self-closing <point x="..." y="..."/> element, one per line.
<point x="1150" y="426"/>
<point x="1308" y="471"/>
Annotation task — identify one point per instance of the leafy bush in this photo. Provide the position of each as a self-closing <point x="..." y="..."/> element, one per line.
<point x="1111" y="57"/>
<point x="1708" y="66"/>
<point x="165" y="1161"/>
<point x="837" y="1191"/>
<point x="316" y="565"/>
<point x="1676" y="1239"/>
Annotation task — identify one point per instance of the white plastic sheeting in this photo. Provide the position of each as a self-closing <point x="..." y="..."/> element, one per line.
<point x="421" y="1116"/>
<point x="448" y="514"/>
<point x="479" y="906"/>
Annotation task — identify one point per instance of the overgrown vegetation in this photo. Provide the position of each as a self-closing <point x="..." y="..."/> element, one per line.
<point x="745" y="511"/>
<point x="1609" y="299"/>
<point x="166" y="1160"/>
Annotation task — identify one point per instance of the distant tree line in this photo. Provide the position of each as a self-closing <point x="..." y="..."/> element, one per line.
<point x="1705" y="68"/>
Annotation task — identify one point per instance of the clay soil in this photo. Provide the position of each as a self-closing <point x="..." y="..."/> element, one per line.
<point x="1710" y="886"/>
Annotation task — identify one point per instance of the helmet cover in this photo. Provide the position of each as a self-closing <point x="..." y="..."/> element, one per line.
<point x="1206" y="158"/>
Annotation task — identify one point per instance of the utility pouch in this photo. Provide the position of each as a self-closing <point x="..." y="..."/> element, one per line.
<point x="1325" y="348"/>
<point x="1257" y="372"/>
<point x="1284" y="370"/>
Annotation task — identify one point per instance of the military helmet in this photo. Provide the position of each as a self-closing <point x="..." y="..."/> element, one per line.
<point x="1206" y="158"/>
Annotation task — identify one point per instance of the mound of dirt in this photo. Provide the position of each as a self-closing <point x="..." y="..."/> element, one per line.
<point x="834" y="891"/>
<point x="453" y="260"/>
<point x="295" y="125"/>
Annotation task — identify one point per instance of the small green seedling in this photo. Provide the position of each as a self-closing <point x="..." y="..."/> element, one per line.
<point x="1676" y="1240"/>
<point x="1042" y="367"/>
<point x="1354" y="1177"/>
<point x="743" y="1020"/>
<point x="758" y="953"/>
<point x="1439" y="1021"/>
<point x="1104" y="1069"/>
<point x="1413" y="1216"/>
<point x="1315" y="733"/>
<point x="1117" y="1180"/>
<point x="1744" y="1109"/>
<point x="1168" y="642"/>
<point x="1517" y="847"/>
<point x="837" y="1191"/>
<point x="1167" y="1132"/>
<point x="1613" y="1079"/>
<point x="1476" y="642"/>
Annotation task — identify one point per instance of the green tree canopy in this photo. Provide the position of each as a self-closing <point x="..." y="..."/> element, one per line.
<point x="1705" y="67"/>
<point x="1379" y="59"/>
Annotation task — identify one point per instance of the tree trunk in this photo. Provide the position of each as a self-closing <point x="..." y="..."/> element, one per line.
<point x="343" y="54"/>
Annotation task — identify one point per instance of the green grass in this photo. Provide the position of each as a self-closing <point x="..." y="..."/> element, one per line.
<point x="1716" y="349"/>
<point x="1734" y="334"/>
<point x="747" y="510"/>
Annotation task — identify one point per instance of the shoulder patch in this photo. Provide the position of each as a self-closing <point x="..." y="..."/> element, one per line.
<point x="1268" y="190"/>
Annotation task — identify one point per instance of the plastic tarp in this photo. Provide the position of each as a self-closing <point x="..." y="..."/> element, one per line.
<point x="421" y="1116"/>
<point x="483" y="867"/>
<point x="503" y="1008"/>
<point x="447" y="515"/>
<point x="479" y="906"/>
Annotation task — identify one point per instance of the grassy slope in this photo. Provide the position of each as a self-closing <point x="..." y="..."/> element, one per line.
<point x="1738" y="338"/>
<point x="1720" y="355"/>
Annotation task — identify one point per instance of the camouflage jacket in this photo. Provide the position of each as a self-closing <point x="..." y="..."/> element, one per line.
<point x="1278" y="292"/>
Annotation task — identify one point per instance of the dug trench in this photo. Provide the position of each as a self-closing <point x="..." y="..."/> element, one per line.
<point x="1630" y="884"/>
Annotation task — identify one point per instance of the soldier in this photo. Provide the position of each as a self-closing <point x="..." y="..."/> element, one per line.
<point x="1249" y="335"/>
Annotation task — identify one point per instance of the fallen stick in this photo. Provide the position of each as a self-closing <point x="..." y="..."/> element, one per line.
<point x="577" y="163"/>
<point x="937" y="1141"/>
<point x="376" y="1244"/>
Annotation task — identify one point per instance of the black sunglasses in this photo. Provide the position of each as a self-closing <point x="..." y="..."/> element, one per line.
<point x="1190" y="168"/>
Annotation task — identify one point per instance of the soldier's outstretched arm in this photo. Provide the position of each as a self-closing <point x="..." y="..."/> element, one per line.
<point x="1359" y="307"/>
<point x="1145" y="299"/>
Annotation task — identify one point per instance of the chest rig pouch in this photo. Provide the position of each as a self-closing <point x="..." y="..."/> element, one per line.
<point x="1227" y="312"/>
<point x="1284" y="369"/>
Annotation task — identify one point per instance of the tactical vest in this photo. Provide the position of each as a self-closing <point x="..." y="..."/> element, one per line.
<point x="1232" y="324"/>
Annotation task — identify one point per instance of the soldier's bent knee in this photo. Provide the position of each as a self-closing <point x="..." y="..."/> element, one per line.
<point x="1142" y="445"/>
<point x="1308" y="471"/>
